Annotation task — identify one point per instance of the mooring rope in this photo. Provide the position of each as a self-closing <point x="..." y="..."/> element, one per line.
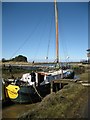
<point x="37" y="91"/>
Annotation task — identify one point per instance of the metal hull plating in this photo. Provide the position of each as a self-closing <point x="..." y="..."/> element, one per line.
<point x="27" y="94"/>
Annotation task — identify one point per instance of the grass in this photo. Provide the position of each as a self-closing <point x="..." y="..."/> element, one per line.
<point x="15" y="63"/>
<point x="85" y="76"/>
<point x="17" y="72"/>
<point x="66" y="103"/>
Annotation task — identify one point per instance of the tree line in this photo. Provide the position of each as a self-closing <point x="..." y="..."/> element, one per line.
<point x="19" y="58"/>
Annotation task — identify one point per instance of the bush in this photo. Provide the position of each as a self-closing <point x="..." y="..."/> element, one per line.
<point x="79" y="69"/>
<point x="20" y="58"/>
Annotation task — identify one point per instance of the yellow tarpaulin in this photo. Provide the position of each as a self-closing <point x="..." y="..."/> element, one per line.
<point x="12" y="91"/>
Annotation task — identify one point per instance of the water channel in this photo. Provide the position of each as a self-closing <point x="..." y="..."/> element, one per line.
<point x="16" y="110"/>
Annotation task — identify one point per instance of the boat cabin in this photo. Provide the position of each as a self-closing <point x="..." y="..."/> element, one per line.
<point x="42" y="78"/>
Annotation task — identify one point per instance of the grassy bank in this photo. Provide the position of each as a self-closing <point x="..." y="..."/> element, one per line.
<point x="66" y="103"/>
<point x="18" y="71"/>
<point x="15" y="63"/>
<point x="15" y="72"/>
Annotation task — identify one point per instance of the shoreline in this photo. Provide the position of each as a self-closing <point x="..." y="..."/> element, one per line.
<point x="39" y="63"/>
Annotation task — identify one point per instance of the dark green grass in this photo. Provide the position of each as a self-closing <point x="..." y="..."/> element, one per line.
<point x="15" y="72"/>
<point x="66" y="103"/>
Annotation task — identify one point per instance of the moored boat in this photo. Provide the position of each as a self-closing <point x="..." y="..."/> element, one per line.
<point x="27" y="89"/>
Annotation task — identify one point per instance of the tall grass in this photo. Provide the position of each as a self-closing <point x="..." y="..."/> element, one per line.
<point x="79" y="69"/>
<point x="58" y="105"/>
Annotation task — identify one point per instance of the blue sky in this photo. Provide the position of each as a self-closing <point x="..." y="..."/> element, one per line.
<point x="28" y="28"/>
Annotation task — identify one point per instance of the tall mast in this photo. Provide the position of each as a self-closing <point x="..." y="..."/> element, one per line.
<point x="56" y="22"/>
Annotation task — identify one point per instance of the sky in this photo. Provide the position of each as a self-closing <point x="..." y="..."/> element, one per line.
<point x="28" y="28"/>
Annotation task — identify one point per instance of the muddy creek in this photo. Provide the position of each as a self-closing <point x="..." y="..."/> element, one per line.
<point x="16" y="110"/>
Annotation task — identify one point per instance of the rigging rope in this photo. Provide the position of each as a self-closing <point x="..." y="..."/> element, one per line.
<point x="37" y="91"/>
<point x="65" y="50"/>
<point x="39" y="44"/>
<point x="64" y="43"/>
<point x="43" y="31"/>
<point x="49" y="36"/>
<point x="26" y="40"/>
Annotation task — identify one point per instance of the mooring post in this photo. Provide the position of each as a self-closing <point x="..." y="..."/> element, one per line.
<point x="60" y="85"/>
<point x="61" y="73"/>
<point x="56" y="87"/>
<point x="52" y="86"/>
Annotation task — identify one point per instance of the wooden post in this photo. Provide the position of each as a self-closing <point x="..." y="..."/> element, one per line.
<point x="61" y="73"/>
<point x="52" y="86"/>
<point x="56" y="87"/>
<point x="60" y="85"/>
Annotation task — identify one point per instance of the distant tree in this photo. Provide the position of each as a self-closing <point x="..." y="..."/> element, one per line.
<point x="20" y="58"/>
<point x="3" y="60"/>
<point x="84" y="61"/>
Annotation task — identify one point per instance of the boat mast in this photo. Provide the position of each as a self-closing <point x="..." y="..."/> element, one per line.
<point x="56" y="22"/>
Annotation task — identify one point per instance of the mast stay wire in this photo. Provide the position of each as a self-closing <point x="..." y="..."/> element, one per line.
<point x="64" y="45"/>
<point x="39" y="44"/>
<point x="65" y="50"/>
<point x="48" y="47"/>
<point x="42" y="35"/>
<point x="27" y="39"/>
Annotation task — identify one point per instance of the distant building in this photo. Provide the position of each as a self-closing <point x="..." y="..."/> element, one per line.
<point x="88" y="55"/>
